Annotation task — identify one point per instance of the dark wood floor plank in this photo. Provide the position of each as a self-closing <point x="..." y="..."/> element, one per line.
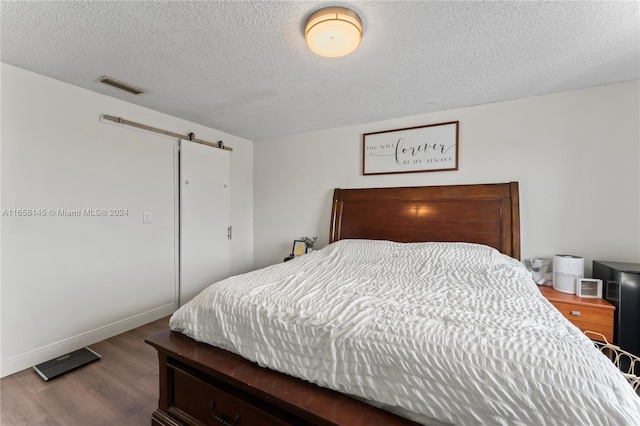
<point x="128" y="397"/>
<point x="49" y="421"/>
<point x="142" y="417"/>
<point x="34" y="383"/>
<point x="124" y="364"/>
<point x="119" y="389"/>
<point x="75" y="403"/>
<point x="19" y="407"/>
<point x="149" y="382"/>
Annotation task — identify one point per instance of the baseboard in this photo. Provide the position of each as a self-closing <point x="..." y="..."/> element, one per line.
<point x="45" y="353"/>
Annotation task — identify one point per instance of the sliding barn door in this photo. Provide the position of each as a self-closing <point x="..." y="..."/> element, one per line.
<point x="204" y="217"/>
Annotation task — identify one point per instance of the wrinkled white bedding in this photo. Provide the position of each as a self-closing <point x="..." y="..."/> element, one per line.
<point x="452" y="332"/>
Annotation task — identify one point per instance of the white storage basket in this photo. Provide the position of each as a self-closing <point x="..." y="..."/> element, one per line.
<point x="619" y="357"/>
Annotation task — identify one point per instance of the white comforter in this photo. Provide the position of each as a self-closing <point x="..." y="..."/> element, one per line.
<point x="452" y="332"/>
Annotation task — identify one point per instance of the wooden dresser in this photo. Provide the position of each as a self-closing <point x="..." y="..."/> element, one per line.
<point x="585" y="313"/>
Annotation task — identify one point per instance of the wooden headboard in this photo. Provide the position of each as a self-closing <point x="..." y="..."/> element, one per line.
<point x="485" y="214"/>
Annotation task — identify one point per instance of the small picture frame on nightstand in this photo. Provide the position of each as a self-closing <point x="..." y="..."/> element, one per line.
<point x="589" y="287"/>
<point x="299" y="248"/>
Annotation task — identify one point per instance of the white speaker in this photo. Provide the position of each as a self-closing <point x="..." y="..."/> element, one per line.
<point x="566" y="270"/>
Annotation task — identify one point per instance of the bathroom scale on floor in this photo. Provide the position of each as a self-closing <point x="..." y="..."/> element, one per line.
<point x="65" y="363"/>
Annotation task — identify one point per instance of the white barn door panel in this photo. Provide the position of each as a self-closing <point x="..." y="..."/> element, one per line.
<point x="204" y="217"/>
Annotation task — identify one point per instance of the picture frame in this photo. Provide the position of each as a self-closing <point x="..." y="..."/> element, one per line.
<point x="299" y="248"/>
<point x="428" y="148"/>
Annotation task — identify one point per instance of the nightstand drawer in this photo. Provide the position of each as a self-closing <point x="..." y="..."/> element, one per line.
<point x="585" y="313"/>
<point x="588" y="318"/>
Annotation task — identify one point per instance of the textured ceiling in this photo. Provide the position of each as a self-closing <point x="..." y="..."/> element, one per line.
<point x="244" y="68"/>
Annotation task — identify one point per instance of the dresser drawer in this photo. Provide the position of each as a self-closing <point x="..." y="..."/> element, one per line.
<point x="589" y="318"/>
<point x="197" y="402"/>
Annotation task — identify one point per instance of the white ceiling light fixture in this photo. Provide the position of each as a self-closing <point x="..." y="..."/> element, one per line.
<point x="333" y="31"/>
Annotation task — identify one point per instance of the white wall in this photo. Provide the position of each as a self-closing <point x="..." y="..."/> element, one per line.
<point x="575" y="154"/>
<point x="72" y="280"/>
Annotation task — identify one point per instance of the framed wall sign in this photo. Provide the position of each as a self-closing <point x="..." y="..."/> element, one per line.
<point x="429" y="148"/>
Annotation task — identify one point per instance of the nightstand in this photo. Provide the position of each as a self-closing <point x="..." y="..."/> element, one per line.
<point x="585" y="313"/>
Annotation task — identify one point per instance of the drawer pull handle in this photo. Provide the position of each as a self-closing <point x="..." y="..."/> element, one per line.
<point x="219" y="419"/>
<point x="576" y="313"/>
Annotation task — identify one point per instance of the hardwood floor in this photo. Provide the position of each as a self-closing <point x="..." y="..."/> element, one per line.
<point x="119" y="389"/>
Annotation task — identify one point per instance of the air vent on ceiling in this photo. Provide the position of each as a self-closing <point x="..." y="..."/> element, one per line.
<point x="121" y="85"/>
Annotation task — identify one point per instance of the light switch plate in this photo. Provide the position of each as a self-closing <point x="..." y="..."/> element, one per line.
<point x="146" y="218"/>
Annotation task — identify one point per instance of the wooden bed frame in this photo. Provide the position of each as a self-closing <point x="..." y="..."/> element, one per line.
<point x="201" y="384"/>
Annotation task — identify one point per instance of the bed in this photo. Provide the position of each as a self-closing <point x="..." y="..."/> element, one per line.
<point x="359" y="356"/>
